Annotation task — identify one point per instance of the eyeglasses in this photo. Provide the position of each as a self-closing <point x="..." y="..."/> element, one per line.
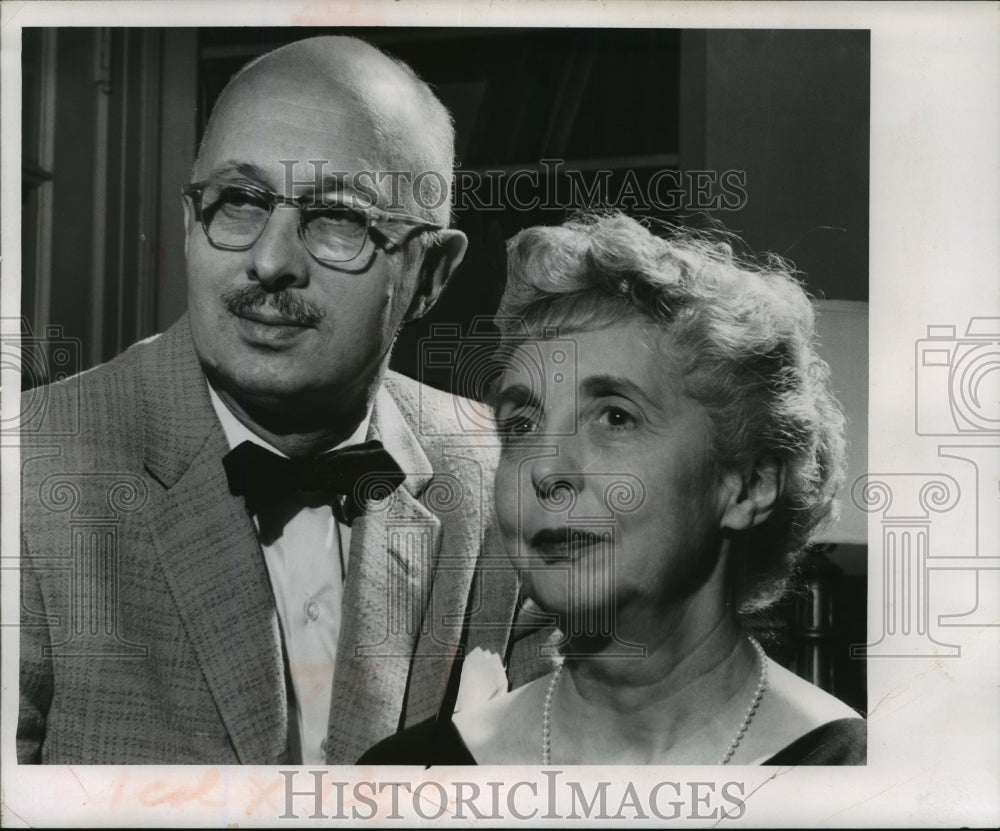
<point x="234" y="217"/>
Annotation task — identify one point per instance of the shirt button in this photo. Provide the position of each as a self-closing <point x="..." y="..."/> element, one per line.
<point x="312" y="610"/>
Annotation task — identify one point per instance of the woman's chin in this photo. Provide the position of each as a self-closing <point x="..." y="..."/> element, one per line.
<point x="574" y="617"/>
<point x="546" y="591"/>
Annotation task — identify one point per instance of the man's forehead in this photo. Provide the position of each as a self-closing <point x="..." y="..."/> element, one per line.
<point x="318" y="104"/>
<point x="348" y="59"/>
<point x="323" y="77"/>
<point x="325" y="108"/>
<point x="320" y="116"/>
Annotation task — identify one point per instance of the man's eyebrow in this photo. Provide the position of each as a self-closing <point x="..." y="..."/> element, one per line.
<point x="234" y="169"/>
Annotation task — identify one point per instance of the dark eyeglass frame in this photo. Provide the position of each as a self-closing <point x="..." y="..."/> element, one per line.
<point x="373" y="216"/>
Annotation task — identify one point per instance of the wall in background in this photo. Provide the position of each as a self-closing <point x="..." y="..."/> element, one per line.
<point x="126" y="107"/>
<point x="93" y="128"/>
<point x="791" y="109"/>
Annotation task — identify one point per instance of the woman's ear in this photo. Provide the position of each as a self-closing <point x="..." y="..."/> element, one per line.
<point x="752" y="497"/>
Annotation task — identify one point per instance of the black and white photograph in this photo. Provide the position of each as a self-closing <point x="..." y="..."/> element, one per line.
<point x="455" y="412"/>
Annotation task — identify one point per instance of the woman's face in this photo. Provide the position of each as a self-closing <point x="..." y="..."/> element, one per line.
<point x="606" y="492"/>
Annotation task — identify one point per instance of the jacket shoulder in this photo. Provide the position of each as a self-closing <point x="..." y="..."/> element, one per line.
<point x="92" y="412"/>
<point x="438" y="417"/>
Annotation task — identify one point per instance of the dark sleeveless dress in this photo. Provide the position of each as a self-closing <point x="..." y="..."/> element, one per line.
<point x="840" y="742"/>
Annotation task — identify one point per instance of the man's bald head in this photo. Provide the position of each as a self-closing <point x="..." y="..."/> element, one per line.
<point x="411" y="131"/>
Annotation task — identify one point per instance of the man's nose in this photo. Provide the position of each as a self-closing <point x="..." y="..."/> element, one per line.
<point x="280" y="259"/>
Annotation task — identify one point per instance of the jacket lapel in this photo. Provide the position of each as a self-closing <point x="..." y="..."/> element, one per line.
<point x="393" y="548"/>
<point x="209" y="552"/>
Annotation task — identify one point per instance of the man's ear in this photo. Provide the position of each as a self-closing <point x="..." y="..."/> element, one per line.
<point x="751" y="497"/>
<point x="440" y="262"/>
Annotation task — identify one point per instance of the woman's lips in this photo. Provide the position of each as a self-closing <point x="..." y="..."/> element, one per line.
<point x="561" y="544"/>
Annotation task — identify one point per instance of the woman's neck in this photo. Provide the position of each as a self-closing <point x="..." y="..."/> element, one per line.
<point x="681" y="701"/>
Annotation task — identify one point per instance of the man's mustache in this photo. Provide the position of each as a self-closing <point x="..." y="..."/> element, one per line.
<point x="287" y="304"/>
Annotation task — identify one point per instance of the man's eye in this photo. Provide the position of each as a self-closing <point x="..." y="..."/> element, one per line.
<point x="335" y="216"/>
<point x="239" y="198"/>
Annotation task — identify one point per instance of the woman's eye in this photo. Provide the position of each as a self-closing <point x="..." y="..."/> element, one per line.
<point x="617" y="417"/>
<point x="520" y="426"/>
<point x="516" y="425"/>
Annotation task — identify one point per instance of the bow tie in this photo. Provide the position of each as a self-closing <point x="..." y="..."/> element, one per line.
<point x="356" y="473"/>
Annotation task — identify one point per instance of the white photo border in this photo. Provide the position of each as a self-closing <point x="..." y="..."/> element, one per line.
<point x="934" y="715"/>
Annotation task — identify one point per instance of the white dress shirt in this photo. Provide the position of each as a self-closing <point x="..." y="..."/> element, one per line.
<point x="306" y="552"/>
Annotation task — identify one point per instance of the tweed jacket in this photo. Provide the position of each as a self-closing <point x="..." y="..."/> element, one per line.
<point x="149" y="629"/>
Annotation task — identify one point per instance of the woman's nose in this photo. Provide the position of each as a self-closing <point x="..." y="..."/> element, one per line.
<point x="556" y="479"/>
<point x="280" y="259"/>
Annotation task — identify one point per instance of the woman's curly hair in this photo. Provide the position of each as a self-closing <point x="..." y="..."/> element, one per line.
<point x="745" y="332"/>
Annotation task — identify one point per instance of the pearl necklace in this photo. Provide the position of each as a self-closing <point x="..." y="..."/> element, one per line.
<point x="758" y="694"/>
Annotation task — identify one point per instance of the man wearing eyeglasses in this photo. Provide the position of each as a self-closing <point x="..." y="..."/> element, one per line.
<point x="256" y="598"/>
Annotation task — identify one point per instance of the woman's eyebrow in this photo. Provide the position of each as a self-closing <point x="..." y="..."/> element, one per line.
<point x="598" y="385"/>
<point x="518" y="395"/>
